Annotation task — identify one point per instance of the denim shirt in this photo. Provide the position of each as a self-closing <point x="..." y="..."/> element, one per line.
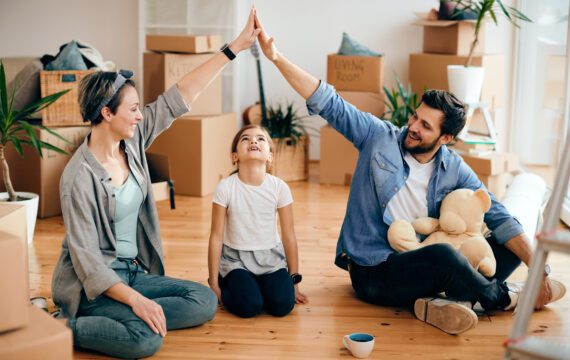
<point x="381" y="172"/>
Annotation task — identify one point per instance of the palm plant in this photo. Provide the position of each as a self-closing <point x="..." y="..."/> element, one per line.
<point x="482" y="8"/>
<point x="401" y="104"/>
<point x="15" y="130"/>
<point x="284" y="123"/>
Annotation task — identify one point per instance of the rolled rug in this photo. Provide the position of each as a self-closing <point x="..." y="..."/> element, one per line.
<point x="525" y="199"/>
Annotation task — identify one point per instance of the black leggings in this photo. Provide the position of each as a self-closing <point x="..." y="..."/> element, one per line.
<point x="246" y="295"/>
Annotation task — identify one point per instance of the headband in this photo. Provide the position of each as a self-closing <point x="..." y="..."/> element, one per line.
<point x="120" y="80"/>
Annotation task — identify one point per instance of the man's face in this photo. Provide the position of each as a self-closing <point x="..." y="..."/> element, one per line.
<point x="424" y="131"/>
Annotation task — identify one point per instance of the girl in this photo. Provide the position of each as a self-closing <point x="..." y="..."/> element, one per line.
<point x="250" y="268"/>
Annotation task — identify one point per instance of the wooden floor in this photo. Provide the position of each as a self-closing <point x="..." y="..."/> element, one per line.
<point x="312" y="331"/>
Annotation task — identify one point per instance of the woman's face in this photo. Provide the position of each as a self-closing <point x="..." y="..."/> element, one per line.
<point x="124" y="122"/>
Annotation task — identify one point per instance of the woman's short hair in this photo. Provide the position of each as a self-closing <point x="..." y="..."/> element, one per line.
<point x="96" y="88"/>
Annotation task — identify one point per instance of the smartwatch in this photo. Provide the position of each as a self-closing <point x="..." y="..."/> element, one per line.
<point x="296" y="278"/>
<point x="229" y="53"/>
<point x="547" y="270"/>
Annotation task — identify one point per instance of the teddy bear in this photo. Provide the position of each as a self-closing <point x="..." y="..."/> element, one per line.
<point x="460" y="224"/>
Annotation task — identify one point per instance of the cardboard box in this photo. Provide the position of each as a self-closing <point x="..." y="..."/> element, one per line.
<point x="356" y="73"/>
<point x="338" y="158"/>
<point x="161" y="71"/>
<point x="13" y="282"/>
<point x="451" y="37"/>
<point x="198" y="149"/>
<point x="159" y="168"/>
<point x="496" y="184"/>
<point x="492" y="164"/>
<point x="194" y="44"/>
<point x="13" y="266"/>
<point x="365" y="101"/>
<point x="429" y="71"/>
<point x="41" y="175"/>
<point x="44" y="338"/>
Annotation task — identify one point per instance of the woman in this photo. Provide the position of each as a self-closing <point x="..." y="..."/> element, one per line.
<point x="109" y="280"/>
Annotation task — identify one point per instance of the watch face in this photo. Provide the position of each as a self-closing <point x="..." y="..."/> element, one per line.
<point x="296" y="278"/>
<point x="547" y="270"/>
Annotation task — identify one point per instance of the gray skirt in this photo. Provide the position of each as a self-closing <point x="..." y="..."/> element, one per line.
<point x="258" y="262"/>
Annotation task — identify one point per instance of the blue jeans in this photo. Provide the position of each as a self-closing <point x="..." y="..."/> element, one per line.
<point x="112" y="328"/>
<point x="246" y="295"/>
<point x="405" y="277"/>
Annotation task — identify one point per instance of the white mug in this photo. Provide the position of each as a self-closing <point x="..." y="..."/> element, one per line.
<point x="359" y="344"/>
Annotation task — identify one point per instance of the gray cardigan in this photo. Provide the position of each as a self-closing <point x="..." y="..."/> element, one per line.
<point x="88" y="207"/>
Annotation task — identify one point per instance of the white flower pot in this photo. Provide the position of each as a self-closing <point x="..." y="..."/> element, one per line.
<point x="465" y="82"/>
<point x="31" y="209"/>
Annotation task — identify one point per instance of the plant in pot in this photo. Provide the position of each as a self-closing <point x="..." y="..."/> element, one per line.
<point x="16" y="131"/>
<point x="291" y="143"/>
<point x="401" y="103"/>
<point x="466" y="81"/>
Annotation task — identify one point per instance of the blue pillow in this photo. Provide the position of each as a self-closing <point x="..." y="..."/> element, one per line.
<point x="350" y="46"/>
<point x="68" y="59"/>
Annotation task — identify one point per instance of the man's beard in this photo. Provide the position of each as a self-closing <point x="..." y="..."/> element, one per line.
<point x="421" y="149"/>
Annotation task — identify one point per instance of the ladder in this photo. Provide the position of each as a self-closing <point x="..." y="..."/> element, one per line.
<point x="491" y="131"/>
<point x="519" y="345"/>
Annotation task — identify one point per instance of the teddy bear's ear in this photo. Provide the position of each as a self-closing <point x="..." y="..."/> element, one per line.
<point x="484" y="199"/>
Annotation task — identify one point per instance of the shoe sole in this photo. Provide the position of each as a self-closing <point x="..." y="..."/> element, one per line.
<point x="450" y="317"/>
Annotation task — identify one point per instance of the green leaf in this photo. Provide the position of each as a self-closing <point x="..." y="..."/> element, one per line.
<point x="54" y="133"/>
<point x="39" y="105"/>
<point x="17" y="144"/>
<point x="3" y="92"/>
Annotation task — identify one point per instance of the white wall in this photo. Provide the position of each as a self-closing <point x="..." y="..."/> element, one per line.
<point x="38" y="27"/>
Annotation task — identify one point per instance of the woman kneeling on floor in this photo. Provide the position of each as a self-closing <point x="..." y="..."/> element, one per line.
<point x="109" y="281"/>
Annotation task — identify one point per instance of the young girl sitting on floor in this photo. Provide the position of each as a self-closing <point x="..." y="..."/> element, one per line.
<point x="250" y="267"/>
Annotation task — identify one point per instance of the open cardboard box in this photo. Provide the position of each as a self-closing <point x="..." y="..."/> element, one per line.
<point x="162" y="185"/>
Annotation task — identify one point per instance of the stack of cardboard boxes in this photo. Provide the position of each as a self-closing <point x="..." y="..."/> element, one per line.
<point x="448" y="43"/>
<point x="197" y="145"/>
<point x="26" y="332"/>
<point x="360" y="81"/>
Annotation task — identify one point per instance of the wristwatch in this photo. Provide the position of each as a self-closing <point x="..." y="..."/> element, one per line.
<point x="229" y="53"/>
<point x="296" y="278"/>
<point x="547" y="270"/>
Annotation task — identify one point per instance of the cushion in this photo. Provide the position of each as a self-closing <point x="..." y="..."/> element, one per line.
<point x="26" y="85"/>
<point x="349" y="46"/>
<point x="68" y="59"/>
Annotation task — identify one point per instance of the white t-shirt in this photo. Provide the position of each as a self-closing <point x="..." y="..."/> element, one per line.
<point x="410" y="202"/>
<point x="251" y="222"/>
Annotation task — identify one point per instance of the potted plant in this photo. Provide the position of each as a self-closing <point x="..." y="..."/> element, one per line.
<point x="466" y="81"/>
<point x="401" y="104"/>
<point x="291" y="143"/>
<point x="16" y="131"/>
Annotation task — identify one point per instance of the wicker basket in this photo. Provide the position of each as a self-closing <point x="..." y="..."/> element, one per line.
<point x="291" y="162"/>
<point x="65" y="111"/>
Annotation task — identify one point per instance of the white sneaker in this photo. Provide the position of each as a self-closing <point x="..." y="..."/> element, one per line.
<point x="515" y="289"/>
<point x="558" y="290"/>
<point x="450" y="316"/>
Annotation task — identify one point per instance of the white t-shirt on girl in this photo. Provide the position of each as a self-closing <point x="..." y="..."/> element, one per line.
<point x="251" y="222"/>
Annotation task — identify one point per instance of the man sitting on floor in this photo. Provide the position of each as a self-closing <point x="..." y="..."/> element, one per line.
<point x="404" y="174"/>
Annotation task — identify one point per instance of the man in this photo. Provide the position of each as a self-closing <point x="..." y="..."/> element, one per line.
<point x="404" y="174"/>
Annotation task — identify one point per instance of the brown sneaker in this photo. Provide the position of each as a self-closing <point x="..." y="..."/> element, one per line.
<point x="558" y="290"/>
<point x="450" y="316"/>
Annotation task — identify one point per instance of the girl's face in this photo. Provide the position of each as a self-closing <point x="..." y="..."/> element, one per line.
<point x="253" y="146"/>
<point x="124" y="122"/>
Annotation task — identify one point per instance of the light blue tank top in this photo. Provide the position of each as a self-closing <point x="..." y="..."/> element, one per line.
<point x="128" y="198"/>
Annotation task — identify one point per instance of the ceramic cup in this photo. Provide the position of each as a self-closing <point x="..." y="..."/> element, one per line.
<point x="359" y="344"/>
